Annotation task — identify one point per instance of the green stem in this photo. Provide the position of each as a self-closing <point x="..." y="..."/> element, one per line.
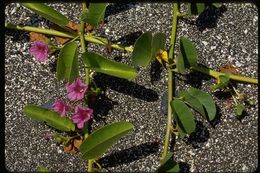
<point x="104" y="42"/>
<point x="40" y="30"/>
<point x="216" y="74"/>
<point x="170" y="81"/>
<point x="87" y="37"/>
<point x="83" y="45"/>
<point x="90" y="163"/>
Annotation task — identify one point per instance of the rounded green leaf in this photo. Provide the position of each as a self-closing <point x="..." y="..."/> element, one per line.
<point x="184" y="116"/>
<point x="142" y="53"/>
<point x="67" y="66"/>
<point x="206" y="100"/>
<point x="158" y="42"/>
<point x="188" y="51"/>
<point x="47" y="12"/>
<point x="168" y="165"/>
<point x="95" y="13"/>
<point x="103" y="65"/>
<point x="52" y="118"/>
<point x="96" y="144"/>
<point x="193" y="102"/>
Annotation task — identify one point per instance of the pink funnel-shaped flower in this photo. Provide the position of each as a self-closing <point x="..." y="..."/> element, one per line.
<point x="82" y="115"/>
<point x="39" y="50"/>
<point x="76" y="90"/>
<point x="60" y="107"/>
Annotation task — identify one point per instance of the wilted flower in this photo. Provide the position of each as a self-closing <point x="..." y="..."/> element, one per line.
<point x="76" y="90"/>
<point x="82" y="115"/>
<point x="39" y="50"/>
<point x="162" y="56"/>
<point x="60" y="107"/>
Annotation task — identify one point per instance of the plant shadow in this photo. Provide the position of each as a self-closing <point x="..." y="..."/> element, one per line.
<point x="214" y="122"/>
<point x="115" y="8"/>
<point x="129" y="155"/>
<point x="195" y="79"/>
<point x="129" y="39"/>
<point x="126" y="87"/>
<point x="199" y="136"/>
<point x="184" y="167"/>
<point x="17" y="35"/>
<point x="101" y="107"/>
<point x="155" y="71"/>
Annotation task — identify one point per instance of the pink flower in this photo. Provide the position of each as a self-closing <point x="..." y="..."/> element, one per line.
<point x="60" y="107"/>
<point x="76" y="90"/>
<point x="39" y="50"/>
<point x="82" y="115"/>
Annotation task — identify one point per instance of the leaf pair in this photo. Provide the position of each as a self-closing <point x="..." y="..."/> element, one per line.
<point x="146" y="48"/>
<point x="188" y="55"/>
<point x="200" y="101"/>
<point x="52" y="118"/>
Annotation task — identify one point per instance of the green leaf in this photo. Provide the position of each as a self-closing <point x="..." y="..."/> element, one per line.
<point x="43" y="169"/>
<point x="184" y="116"/>
<point x="96" y="144"/>
<point x="206" y="100"/>
<point x="181" y="64"/>
<point x="67" y="66"/>
<point x="195" y="8"/>
<point x="142" y="54"/>
<point x="168" y="165"/>
<point x="47" y="12"/>
<point x="158" y="42"/>
<point x="95" y="13"/>
<point x="200" y="7"/>
<point x="193" y="102"/>
<point x="52" y="118"/>
<point x="219" y="4"/>
<point x="223" y="81"/>
<point x="103" y="65"/>
<point x="188" y="51"/>
<point x="240" y="109"/>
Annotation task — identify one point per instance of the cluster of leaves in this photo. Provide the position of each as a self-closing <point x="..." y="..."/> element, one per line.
<point x="100" y="140"/>
<point x="147" y="48"/>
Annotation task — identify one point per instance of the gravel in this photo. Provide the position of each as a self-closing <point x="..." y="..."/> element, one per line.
<point x="228" y="145"/>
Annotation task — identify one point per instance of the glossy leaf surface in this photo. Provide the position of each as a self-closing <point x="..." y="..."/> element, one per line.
<point x="103" y="65"/>
<point x="188" y="51"/>
<point x="142" y="53"/>
<point x="67" y="66"/>
<point x="193" y="102"/>
<point x="100" y="140"/>
<point x="184" y="116"/>
<point x="52" y="118"/>
<point x="206" y="100"/>
<point x="95" y="13"/>
<point x="47" y="12"/>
